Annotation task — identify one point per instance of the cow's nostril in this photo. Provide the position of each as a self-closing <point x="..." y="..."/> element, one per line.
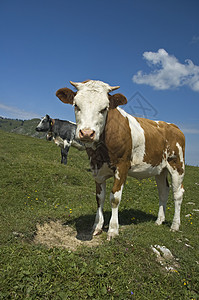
<point x="81" y="134"/>
<point x="92" y="134"/>
<point x="86" y="134"/>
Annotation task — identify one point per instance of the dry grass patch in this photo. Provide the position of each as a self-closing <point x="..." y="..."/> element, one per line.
<point x="56" y="234"/>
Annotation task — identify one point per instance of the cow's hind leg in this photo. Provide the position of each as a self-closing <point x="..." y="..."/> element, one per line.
<point x="100" y="197"/>
<point x="163" y="191"/>
<point x="178" y="191"/>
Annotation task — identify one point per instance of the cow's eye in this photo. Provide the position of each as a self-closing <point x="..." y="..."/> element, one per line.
<point x="77" y="107"/>
<point x="103" y="110"/>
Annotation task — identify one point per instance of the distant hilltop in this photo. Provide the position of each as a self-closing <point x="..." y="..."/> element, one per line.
<point x="25" y="127"/>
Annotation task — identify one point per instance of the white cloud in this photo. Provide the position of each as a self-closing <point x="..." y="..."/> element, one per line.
<point x="168" y="72"/>
<point x="16" y="113"/>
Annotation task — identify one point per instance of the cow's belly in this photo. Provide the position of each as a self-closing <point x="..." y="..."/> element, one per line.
<point x="145" y="170"/>
<point x="139" y="171"/>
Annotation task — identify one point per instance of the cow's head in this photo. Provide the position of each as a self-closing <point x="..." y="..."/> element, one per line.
<point x="92" y="102"/>
<point x="44" y="124"/>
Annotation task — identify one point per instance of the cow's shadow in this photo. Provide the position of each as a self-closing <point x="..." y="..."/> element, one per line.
<point x="84" y="223"/>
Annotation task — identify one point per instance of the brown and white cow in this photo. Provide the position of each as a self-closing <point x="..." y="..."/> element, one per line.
<point x="119" y="144"/>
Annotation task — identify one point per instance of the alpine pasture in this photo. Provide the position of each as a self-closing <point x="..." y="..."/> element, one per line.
<point x="47" y="211"/>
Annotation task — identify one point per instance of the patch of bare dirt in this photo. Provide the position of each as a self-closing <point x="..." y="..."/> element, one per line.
<point x="55" y="234"/>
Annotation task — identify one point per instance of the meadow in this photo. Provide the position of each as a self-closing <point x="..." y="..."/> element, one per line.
<point x="37" y="190"/>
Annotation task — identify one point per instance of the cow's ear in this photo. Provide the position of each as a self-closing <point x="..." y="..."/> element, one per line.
<point x="66" y="95"/>
<point x="52" y="122"/>
<point x="117" y="99"/>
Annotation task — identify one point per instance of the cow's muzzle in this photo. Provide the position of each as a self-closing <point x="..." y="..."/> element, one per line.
<point x="87" y="135"/>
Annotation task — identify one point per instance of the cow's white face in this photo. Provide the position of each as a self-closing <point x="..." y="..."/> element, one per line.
<point x="92" y="103"/>
<point x="91" y="106"/>
<point x="44" y="124"/>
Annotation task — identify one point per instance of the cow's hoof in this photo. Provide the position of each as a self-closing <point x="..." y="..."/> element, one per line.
<point x="174" y="227"/>
<point x="159" y="221"/>
<point x="97" y="232"/>
<point x="111" y="235"/>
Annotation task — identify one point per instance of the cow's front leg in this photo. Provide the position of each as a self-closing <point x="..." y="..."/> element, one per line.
<point x="100" y="197"/>
<point x="64" y="155"/>
<point x="115" y="198"/>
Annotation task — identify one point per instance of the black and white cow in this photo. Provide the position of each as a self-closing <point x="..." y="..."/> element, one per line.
<point x="62" y="133"/>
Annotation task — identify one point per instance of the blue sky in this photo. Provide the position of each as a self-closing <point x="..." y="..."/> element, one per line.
<point x="149" y="48"/>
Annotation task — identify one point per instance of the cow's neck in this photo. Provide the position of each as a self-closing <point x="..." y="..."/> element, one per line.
<point x="98" y="153"/>
<point x="113" y="141"/>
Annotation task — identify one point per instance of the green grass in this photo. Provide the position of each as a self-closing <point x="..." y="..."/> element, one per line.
<point x="36" y="188"/>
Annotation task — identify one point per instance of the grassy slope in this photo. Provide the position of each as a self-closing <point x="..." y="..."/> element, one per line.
<point x="35" y="187"/>
<point x="9" y="124"/>
<point x="26" y="127"/>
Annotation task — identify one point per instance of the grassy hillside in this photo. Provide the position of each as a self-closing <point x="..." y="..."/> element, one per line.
<point x="37" y="190"/>
<point x="26" y="127"/>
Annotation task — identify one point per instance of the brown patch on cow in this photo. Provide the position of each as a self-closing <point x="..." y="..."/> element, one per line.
<point x="174" y="135"/>
<point x="98" y="192"/>
<point x="98" y="188"/>
<point x="114" y="147"/>
<point x="119" y="144"/>
<point x="122" y="175"/>
<point x="118" y="138"/>
<point x="55" y="234"/>
<point x="176" y="163"/>
<point x="114" y="202"/>
<point x="116" y="100"/>
<point x="52" y="122"/>
<point x="66" y="95"/>
<point x="159" y="138"/>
